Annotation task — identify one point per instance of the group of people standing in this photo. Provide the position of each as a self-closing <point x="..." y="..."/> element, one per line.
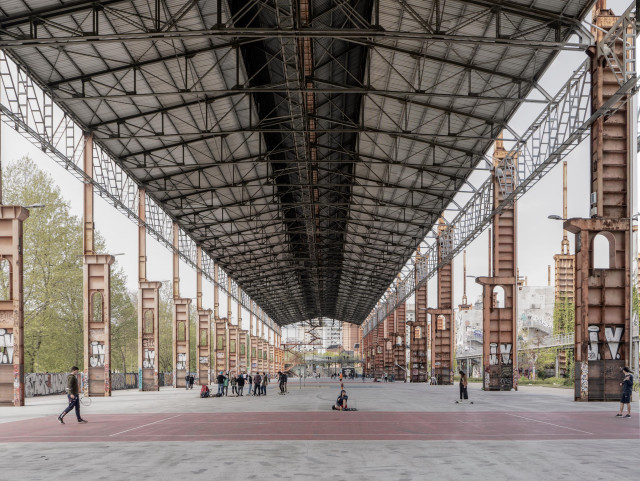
<point x="257" y="384"/>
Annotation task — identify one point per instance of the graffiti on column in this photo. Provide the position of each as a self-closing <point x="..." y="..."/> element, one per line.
<point x="584" y="380"/>
<point x="6" y="347"/>
<point x="149" y="356"/>
<point x="493" y="354"/>
<point x="182" y="362"/>
<point x="613" y="335"/>
<point x="505" y="353"/>
<point x="204" y="360"/>
<point x="97" y="354"/>
<point x="593" y="353"/>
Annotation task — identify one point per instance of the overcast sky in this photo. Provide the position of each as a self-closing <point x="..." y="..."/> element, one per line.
<point x="538" y="237"/>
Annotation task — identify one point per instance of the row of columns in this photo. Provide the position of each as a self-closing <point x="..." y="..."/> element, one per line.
<point x="602" y="296"/>
<point x="220" y="345"/>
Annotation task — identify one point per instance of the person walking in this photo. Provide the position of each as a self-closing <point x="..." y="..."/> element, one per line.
<point x="72" y="396"/>
<point x="464" y="381"/>
<point x="265" y="381"/>
<point x="240" y="382"/>
<point x="627" y="388"/>
<point x="186" y="381"/>
<point x="257" y="381"/>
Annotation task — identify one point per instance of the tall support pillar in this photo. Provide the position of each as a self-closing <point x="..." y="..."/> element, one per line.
<point x="418" y="332"/>
<point x="398" y="340"/>
<point x="148" y="335"/>
<point x="250" y="340"/>
<point x="442" y="334"/>
<point x="181" y="331"/>
<point x="96" y="296"/>
<point x="603" y="294"/>
<point x="565" y="274"/>
<point x="148" y="311"/>
<point x="499" y="347"/>
<point x="242" y="338"/>
<point x="380" y="347"/>
<point x="231" y="332"/>
<point x="11" y="305"/>
<point x="203" y="354"/>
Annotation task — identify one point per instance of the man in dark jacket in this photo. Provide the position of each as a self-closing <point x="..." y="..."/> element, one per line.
<point x="72" y="396"/>
<point x="220" y="379"/>
<point x="240" y="384"/>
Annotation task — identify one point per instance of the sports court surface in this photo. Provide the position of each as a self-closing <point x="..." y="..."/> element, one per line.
<point x="400" y="431"/>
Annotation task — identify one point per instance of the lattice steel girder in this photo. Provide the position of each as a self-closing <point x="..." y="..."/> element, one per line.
<point x="29" y="110"/>
<point x="557" y="130"/>
<point x="279" y="33"/>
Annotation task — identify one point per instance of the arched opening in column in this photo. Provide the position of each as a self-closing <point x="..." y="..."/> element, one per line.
<point x="97" y="308"/>
<point x="603" y="249"/>
<point x="147" y="322"/>
<point x="5" y="280"/>
<point x="498" y="297"/>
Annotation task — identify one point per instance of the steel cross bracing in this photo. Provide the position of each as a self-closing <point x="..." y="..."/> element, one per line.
<point x="294" y="141"/>
<point x="31" y="112"/>
<point x="563" y="124"/>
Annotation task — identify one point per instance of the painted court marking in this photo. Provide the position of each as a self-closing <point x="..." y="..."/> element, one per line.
<point x="145" y="425"/>
<point x="550" y="424"/>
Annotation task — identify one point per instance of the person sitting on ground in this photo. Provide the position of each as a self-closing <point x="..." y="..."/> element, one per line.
<point x="204" y="391"/>
<point x="341" y="402"/>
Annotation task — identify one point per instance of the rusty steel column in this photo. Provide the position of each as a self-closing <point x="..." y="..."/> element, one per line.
<point x="565" y="271"/>
<point x="418" y="332"/>
<point x="148" y="335"/>
<point x="398" y="338"/>
<point x="603" y="294"/>
<point x="242" y="339"/>
<point x="96" y="296"/>
<point x="203" y="353"/>
<point x="181" y="332"/>
<point x="499" y="351"/>
<point x="250" y="354"/>
<point x="229" y="329"/>
<point x="11" y="306"/>
<point x="148" y="311"/>
<point x="442" y="334"/>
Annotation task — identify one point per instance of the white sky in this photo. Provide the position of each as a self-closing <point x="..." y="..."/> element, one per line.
<point x="538" y="237"/>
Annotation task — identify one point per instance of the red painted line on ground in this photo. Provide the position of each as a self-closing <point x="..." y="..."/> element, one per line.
<point x="349" y="426"/>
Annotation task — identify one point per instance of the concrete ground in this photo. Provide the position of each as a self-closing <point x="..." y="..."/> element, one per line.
<point x="399" y="432"/>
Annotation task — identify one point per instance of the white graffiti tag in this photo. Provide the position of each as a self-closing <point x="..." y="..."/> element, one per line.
<point x="97" y="354"/>
<point x="493" y="354"/>
<point x="593" y="353"/>
<point x="6" y="347"/>
<point x="613" y="335"/>
<point x="182" y="362"/>
<point x="505" y="353"/>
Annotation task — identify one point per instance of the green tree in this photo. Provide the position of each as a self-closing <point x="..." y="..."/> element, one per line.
<point x="52" y="265"/>
<point x="564" y="315"/>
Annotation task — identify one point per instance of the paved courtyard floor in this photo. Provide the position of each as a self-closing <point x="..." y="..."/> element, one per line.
<point x="399" y="431"/>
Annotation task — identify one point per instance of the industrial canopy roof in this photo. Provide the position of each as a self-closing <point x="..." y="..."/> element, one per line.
<point x="307" y="145"/>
